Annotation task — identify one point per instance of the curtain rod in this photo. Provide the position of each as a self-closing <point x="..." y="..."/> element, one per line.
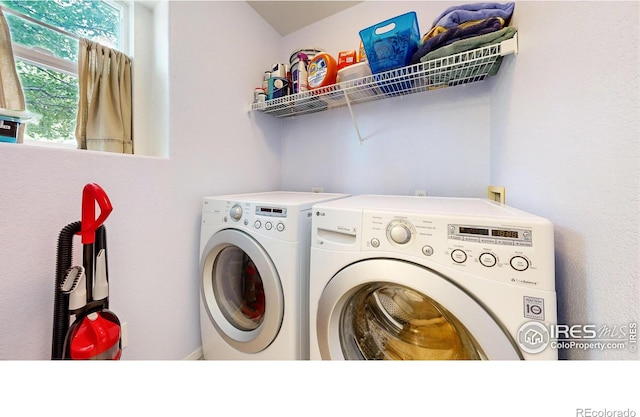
<point x="36" y="21"/>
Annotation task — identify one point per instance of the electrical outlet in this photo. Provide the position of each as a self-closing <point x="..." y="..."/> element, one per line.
<point x="317" y="190"/>
<point x="421" y="193"/>
<point x="496" y="193"/>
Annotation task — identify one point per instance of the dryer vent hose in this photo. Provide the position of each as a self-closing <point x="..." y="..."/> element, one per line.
<point x="60" y="300"/>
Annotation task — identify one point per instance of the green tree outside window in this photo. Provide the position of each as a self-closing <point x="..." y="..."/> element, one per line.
<point x="52" y="94"/>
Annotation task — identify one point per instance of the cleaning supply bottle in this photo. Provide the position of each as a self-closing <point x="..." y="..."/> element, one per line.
<point x="323" y="70"/>
<point x="302" y="74"/>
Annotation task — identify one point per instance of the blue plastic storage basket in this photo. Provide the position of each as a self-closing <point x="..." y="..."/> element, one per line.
<point x="390" y="44"/>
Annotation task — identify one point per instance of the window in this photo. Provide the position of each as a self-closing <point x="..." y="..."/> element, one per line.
<point x="45" y="43"/>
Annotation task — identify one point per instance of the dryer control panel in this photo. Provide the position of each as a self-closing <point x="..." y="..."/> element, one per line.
<point x="277" y="221"/>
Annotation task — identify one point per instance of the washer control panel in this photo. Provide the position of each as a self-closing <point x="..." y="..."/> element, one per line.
<point x="491" y="235"/>
<point x="493" y="248"/>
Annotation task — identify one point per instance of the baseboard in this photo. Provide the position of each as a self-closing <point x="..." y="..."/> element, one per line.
<point x="196" y="355"/>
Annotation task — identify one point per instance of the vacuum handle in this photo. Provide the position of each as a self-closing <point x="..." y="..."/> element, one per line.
<point x="92" y="194"/>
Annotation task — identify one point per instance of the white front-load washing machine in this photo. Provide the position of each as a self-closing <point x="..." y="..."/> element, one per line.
<point x="254" y="263"/>
<point x="395" y="277"/>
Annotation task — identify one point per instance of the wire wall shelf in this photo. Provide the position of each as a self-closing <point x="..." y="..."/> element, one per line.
<point x="463" y="68"/>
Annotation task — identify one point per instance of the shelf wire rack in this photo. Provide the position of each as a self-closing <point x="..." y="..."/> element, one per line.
<point x="462" y="68"/>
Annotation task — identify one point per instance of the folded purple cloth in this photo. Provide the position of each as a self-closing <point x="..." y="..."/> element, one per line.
<point x="455" y="15"/>
<point x="492" y="24"/>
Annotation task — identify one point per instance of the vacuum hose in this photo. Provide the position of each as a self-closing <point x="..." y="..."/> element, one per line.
<point x="60" y="300"/>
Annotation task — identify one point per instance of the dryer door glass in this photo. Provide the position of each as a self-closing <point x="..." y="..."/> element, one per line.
<point x="241" y="291"/>
<point x="238" y="288"/>
<point x="392" y="321"/>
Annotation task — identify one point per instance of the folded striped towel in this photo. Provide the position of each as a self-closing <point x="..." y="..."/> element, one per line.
<point x="455" y="15"/>
<point x="452" y="35"/>
<point x="473" y="43"/>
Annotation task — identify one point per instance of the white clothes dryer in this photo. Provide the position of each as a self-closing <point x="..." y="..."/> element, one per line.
<point x="254" y="263"/>
<point x="395" y="277"/>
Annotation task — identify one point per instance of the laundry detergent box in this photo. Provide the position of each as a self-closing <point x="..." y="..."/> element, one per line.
<point x="9" y="129"/>
<point x="390" y="44"/>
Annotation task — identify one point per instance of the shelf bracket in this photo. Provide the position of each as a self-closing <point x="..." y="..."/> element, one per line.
<point x="509" y="46"/>
<point x="353" y="118"/>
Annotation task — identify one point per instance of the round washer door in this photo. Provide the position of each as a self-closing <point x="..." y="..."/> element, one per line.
<point x="392" y="309"/>
<point x="241" y="291"/>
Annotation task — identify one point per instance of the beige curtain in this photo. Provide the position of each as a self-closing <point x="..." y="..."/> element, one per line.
<point x="11" y="94"/>
<point x="104" y="108"/>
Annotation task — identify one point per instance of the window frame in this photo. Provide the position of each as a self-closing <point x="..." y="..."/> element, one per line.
<point x="42" y="58"/>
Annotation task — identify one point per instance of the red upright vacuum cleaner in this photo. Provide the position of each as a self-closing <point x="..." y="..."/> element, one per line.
<point x="83" y="326"/>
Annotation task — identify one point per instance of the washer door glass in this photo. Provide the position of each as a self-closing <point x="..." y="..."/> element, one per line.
<point x="387" y="321"/>
<point x="241" y="291"/>
<point x="238" y="288"/>
<point x="392" y="309"/>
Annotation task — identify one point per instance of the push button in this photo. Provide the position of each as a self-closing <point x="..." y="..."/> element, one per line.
<point x="519" y="263"/>
<point x="458" y="256"/>
<point x="488" y="260"/>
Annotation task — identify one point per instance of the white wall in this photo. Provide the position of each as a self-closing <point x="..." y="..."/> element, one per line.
<point x="565" y="141"/>
<point x="153" y="232"/>
<point x="558" y="126"/>
<point x="438" y="142"/>
<point x="149" y="45"/>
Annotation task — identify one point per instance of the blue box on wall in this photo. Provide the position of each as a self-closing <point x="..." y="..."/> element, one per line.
<point x="9" y="129"/>
<point x="389" y="46"/>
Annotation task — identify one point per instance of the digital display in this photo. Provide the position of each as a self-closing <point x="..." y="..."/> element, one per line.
<point x="271" y="211"/>
<point x="488" y="235"/>
<point x="504" y="233"/>
<point x="474" y="231"/>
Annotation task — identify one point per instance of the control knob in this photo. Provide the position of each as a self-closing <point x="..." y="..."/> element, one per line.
<point x="399" y="232"/>
<point x="236" y="212"/>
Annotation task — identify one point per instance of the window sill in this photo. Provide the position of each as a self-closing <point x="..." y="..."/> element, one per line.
<point x="43" y="144"/>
